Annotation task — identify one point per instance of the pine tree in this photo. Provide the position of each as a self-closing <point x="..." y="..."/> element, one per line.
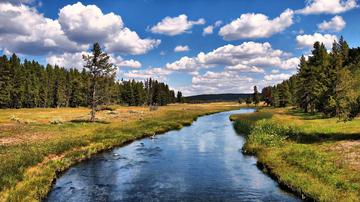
<point x="256" y="96"/>
<point x="5" y="82"/>
<point x="99" y="67"/>
<point x="179" y="97"/>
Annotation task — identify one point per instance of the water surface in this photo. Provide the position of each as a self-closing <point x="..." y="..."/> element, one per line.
<point x="202" y="162"/>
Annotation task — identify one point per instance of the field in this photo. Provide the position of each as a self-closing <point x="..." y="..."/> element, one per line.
<point x="315" y="157"/>
<point x="36" y="145"/>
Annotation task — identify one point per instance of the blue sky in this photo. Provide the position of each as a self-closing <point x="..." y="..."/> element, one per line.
<point x="223" y="46"/>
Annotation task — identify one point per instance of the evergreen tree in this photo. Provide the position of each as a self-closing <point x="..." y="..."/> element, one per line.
<point x="179" y="97"/>
<point x="99" y="67"/>
<point x="5" y="82"/>
<point x="256" y="96"/>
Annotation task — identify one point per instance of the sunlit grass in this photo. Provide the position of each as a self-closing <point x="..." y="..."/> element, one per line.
<point x="33" y="154"/>
<point x="314" y="156"/>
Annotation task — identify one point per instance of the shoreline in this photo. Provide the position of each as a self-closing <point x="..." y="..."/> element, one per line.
<point x="51" y="168"/>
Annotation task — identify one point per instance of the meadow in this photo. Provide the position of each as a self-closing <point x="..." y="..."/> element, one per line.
<point x="37" y="145"/>
<point x="317" y="158"/>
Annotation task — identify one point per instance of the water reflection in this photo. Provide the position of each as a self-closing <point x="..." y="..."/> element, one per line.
<point x="198" y="163"/>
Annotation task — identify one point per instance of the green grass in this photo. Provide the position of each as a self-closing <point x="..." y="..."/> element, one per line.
<point x="33" y="155"/>
<point x="313" y="156"/>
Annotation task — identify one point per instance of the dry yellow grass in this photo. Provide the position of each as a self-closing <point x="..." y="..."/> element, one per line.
<point x="33" y="151"/>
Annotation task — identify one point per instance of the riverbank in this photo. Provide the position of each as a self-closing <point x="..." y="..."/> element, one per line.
<point x="317" y="158"/>
<point x="36" y="145"/>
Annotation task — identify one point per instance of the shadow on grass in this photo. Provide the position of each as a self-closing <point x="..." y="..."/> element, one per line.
<point x="304" y="116"/>
<point x="320" y="137"/>
<point x="88" y="121"/>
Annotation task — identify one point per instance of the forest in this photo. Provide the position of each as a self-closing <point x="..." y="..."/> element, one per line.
<point x="29" y="84"/>
<point x="326" y="82"/>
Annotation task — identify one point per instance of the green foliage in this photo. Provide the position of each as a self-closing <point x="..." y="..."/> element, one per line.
<point x="29" y="85"/>
<point x="326" y="82"/>
<point x="256" y="96"/>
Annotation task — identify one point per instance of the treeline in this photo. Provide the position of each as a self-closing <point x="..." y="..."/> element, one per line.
<point x="30" y="84"/>
<point x="327" y="82"/>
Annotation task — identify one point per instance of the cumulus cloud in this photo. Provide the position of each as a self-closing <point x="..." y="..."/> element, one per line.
<point x="129" y="63"/>
<point x="17" y="1"/>
<point x="277" y="77"/>
<point x="151" y="72"/>
<point x="327" y="6"/>
<point x="307" y="41"/>
<point x="75" y="60"/>
<point x="129" y="42"/>
<point x="67" y="60"/>
<point x="246" y="57"/>
<point x="87" y="24"/>
<point x="210" y="29"/>
<point x="23" y="30"/>
<point x="253" y="25"/>
<point x="244" y="68"/>
<point x="181" y="48"/>
<point x="336" y="24"/>
<point x="215" y="82"/>
<point x="175" y="26"/>
<point x="77" y="27"/>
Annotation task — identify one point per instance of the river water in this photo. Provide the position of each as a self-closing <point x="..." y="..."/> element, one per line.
<point x="202" y="162"/>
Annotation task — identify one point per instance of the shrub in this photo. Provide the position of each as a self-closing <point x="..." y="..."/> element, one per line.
<point x="269" y="134"/>
<point x="56" y="121"/>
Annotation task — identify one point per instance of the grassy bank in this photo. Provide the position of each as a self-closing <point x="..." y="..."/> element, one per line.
<point x="36" y="145"/>
<point x="317" y="158"/>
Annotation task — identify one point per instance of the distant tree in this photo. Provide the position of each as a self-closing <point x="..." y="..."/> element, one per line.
<point x="99" y="67"/>
<point x="248" y="100"/>
<point x="284" y="95"/>
<point x="179" y="97"/>
<point x="241" y="101"/>
<point x="256" y="96"/>
<point x="267" y="95"/>
<point x="5" y="82"/>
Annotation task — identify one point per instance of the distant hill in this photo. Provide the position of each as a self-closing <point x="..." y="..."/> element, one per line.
<point x="216" y="97"/>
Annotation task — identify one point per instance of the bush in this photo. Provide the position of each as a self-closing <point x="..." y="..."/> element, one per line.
<point x="56" y="121"/>
<point x="269" y="134"/>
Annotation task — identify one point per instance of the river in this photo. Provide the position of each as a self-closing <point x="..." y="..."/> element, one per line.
<point x="202" y="162"/>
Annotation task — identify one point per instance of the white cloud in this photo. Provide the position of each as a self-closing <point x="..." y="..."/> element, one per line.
<point x="246" y="57"/>
<point x="181" y="48"/>
<point x="210" y="29"/>
<point x="309" y="40"/>
<point x="129" y="42"/>
<point x="291" y="63"/>
<point x="23" y="30"/>
<point x="175" y="26"/>
<point x="336" y="24"/>
<point x="277" y="77"/>
<point x="87" y="24"/>
<point x="120" y="62"/>
<point x="215" y="82"/>
<point x="26" y="31"/>
<point x="275" y="71"/>
<point x="130" y="63"/>
<point x="17" y="1"/>
<point x="327" y="6"/>
<point x="253" y="25"/>
<point x="244" y="68"/>
<point x="67" y="60"/>
<point x="155" y="73"/>
<point x="75" y="60"/>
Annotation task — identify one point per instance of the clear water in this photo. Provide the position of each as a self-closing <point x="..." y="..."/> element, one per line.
<point x="202" y="162"/>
